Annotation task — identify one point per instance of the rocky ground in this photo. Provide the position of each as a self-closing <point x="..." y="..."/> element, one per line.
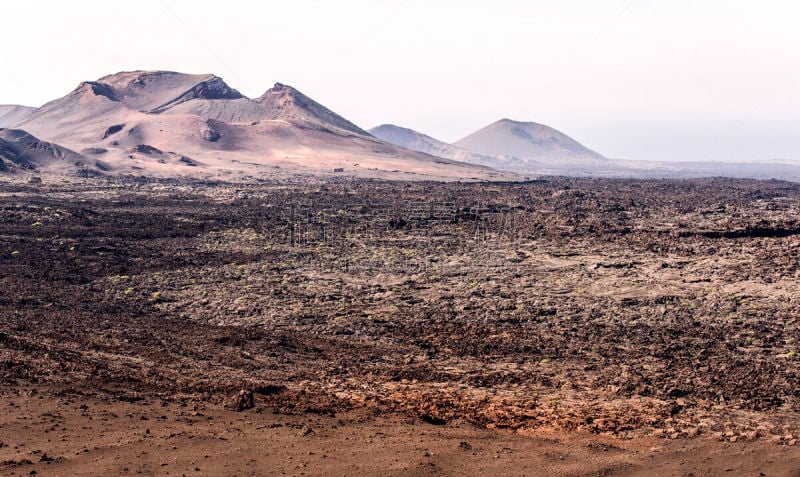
<point x="590" y="326"/>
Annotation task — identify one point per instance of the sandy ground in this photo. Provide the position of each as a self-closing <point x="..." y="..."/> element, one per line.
<point x="87" y="432"/>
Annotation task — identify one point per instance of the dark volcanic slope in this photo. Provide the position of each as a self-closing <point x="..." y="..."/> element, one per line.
<point x="18" y="149"/>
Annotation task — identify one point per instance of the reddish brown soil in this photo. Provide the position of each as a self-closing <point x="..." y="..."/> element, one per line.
<point x="73" y="431"/>
<point x="562" y="327"/>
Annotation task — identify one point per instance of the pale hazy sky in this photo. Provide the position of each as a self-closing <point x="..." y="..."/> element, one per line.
<point x="636" y="79"/>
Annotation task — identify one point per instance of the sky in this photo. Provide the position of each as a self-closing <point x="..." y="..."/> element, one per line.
<point x="632" y="79"/>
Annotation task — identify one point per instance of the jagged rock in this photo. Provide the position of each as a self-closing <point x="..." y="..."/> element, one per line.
<point x="242" y="401"/>
<point x="113" y="130"/>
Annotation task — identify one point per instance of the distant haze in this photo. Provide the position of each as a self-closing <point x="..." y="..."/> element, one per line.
<point x="635" y="79"/>
<point x="697" y="140"/>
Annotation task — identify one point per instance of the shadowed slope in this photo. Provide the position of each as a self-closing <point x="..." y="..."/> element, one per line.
<point x="19" y="149"/>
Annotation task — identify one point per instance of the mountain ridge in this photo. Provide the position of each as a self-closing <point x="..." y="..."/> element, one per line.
<point x="125" y="117"/>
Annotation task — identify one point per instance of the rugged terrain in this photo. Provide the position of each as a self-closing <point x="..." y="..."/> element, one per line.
<point x="579" y="326"/>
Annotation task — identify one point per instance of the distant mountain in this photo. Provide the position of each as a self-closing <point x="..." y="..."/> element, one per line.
<point x="160" y="122"/>
<point x="20" y="150"/>
<point x="505" y="145"/>
<point x="13" y="113"/>
<point x="527" y="140"/>
<point x="544" y="151"/>
<point x="416" y="141"/>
